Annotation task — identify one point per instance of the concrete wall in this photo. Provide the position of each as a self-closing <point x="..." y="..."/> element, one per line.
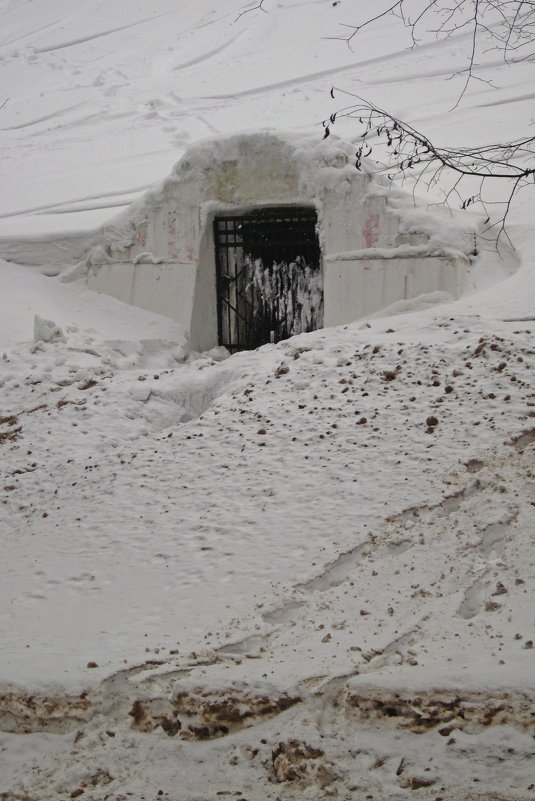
<point x="169" y="264"/>
<point x="167" y="289"/>
<point x="203" y="332"/>
<point x="357" y="287"/>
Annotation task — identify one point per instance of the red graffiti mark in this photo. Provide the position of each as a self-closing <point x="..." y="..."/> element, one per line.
<point x="370" y="231"/>
<point x="190" y="253"/>
<point x="141" y="237"/>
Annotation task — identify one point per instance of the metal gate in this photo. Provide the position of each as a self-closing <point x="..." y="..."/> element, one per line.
<point x="269" y="277"/>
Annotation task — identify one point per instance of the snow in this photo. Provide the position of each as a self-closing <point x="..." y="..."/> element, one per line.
<point x="314" y="163"/>
<point x="71" y="306"/>
<point x="303" y="571"/>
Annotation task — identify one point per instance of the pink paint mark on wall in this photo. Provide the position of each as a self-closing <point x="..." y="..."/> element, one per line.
<point x="141" y="237"/>
<point x="191" y="253"/>
<point x="370" y="231"/>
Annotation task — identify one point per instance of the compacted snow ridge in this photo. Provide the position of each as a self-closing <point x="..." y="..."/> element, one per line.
<point x="301" y="572"/>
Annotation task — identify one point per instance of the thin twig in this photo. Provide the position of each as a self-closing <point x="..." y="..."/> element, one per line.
<point x="411" y="154"/>
<point x="508" y="25"/>
<point x="260" y="6"/>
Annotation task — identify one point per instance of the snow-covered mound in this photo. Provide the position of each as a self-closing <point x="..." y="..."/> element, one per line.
<point x="339" y="538"/>
<point x="302" y="572"/>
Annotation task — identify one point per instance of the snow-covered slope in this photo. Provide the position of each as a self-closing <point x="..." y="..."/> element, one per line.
<point x="339" y="536"/>
<point x="306" y="571"/>
<point x="103" y="99"/>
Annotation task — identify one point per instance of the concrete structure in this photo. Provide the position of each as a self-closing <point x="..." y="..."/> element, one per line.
<point x="165" y="257"/>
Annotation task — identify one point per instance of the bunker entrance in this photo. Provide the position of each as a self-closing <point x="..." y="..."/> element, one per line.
<point x="269" y="276"/>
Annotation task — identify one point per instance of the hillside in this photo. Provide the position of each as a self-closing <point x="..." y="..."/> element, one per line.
<point x="303" y="571"/>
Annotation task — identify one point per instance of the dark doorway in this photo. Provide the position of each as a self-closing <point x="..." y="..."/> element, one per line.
<point x="269" y="277"/>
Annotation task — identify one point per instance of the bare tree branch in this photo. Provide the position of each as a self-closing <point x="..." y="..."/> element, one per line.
<point x="507" y="26"/>
<point x="259" y="5"/>
<point x="463" y="174"/>
<point x="410" y="153"/>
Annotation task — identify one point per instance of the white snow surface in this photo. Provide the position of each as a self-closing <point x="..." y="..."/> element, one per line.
<point x="306" y="571"/>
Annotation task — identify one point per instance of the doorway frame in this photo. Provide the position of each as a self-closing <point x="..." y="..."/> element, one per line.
<point x="299" y="213"/>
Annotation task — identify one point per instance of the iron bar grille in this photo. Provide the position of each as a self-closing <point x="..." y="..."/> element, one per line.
<point x="269" y="278"/>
